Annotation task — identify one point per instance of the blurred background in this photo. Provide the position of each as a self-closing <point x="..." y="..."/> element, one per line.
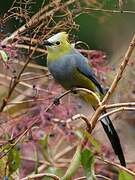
<point x="104" y="29"/>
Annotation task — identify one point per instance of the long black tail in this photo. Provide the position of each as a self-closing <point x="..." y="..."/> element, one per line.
<point x="114" y="139"/>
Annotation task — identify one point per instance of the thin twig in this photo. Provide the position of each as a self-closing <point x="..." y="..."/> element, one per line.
<point x="116" y="110"/>
<point x="40" y="16"/>
<point x="129" y="104"/>
<point x="102" y="177"/>
<point x="23" y="46"/>
<point x="81" y="178"/>
<point x="26" y="101"/>
<point x="79" y="90"/>
<point x="81" y="116"/>
<point x="57" y="99"/>
<point x="34" y="176"/>
<point x="116" y="165"/>
<point x="98" y="176"/>
<point x="15" y="83"/>
<point x="36" y="77"/>
<point x="21" y="135"/>
<point x="65" y="151"/>
<point x="31" y="65"/>
<point x="109" y="11"/>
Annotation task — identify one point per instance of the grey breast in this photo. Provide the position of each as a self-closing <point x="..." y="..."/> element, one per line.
<point x="62" y="70"/>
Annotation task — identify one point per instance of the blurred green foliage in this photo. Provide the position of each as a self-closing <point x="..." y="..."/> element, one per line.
<point x="107" y="31"/>
<point x="4" y="6"/>
<point x="13" y="160"/>
<point x="87" y="161"/>
<point x="125" y="176"/>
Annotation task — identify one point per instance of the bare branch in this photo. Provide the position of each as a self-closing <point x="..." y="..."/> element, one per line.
<point x="34" y="176"/>
<point x="15" y="82"/>
<point x="108" y="11"/>
<point x="36" y="19"/>
<point x="116" y="165"/>
<point x="81" y="116"/>
<point x="129" y="104"/>
<point x="116" y="110"/>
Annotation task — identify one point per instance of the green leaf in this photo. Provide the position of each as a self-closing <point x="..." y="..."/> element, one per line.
<point x="44" y="147"/>
<point x="87" y="161"/>
<point x="125" y="176"/>
<point x="74" y="165"/>
<point x="36" y="160"/>
<point x="53" y="170"/>
<point x="92" y="140"/>
<point x="3" y="164"/>
<point x="79" y="134"/>
<point x="13" y="160"/>
<point x="4" y="55"/>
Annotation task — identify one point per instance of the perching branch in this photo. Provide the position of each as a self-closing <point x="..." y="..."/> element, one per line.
<point x="57" y="99"/>
<point x="74" y="90"/>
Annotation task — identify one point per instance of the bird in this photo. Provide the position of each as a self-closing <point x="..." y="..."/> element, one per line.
<point x="73" y="70"/>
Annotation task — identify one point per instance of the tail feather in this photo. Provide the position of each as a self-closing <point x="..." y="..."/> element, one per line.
<point x="114" y="139"/>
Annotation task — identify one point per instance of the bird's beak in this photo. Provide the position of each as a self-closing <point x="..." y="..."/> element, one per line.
<point x="47" y="43"/>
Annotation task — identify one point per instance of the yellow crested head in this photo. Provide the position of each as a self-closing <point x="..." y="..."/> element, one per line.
<point x="61" y="37"/>
<point x="58" y="45"/>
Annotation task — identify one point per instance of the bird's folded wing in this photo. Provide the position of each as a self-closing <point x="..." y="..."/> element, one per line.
<point x="84" y="68"/>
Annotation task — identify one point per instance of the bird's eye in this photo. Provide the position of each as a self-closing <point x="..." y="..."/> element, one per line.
<point x="57" y="42"/>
